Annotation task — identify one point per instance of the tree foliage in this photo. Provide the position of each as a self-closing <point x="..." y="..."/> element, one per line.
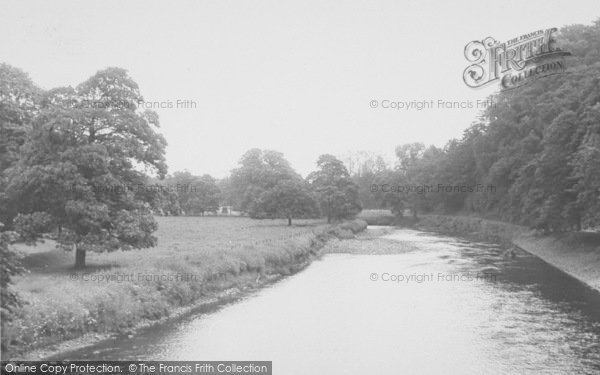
<point x="289" y="198"/>
<point x="9" y="267"/>
<point x="186" y="194"/>
<point x="268" y="187"/>
<point x="337" y="194"/>
<point x="86" y="146"/>
<point x="19" y="103"/>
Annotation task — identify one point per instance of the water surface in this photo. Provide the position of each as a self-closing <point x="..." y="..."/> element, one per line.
<point x="448" y="306"/>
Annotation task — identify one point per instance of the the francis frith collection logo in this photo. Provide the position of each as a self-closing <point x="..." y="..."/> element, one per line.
<point x="515" y="62"/>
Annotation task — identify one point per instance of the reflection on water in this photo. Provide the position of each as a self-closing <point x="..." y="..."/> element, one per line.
<point x="436" y="316"/>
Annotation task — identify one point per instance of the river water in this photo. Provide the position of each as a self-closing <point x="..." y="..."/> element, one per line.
<point x="440" y="305"/>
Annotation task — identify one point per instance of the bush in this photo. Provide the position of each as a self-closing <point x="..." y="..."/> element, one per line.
<point x="9" y="267"/>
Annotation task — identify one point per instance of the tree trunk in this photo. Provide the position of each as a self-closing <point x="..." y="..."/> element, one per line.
<point x="289" y="221"/>
<point x="79" y="257"/>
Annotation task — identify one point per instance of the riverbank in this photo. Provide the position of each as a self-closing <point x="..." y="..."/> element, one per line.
<point x="577" y="254"/>
<point x="199" y="262"/>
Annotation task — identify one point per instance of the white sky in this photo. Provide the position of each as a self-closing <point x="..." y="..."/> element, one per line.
<point x="294" y="76"/>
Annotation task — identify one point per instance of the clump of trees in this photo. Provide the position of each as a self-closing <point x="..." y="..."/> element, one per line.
<point x="185" y="194"/>
<point x="266" y="186"/>
<point x="364" y="168"/>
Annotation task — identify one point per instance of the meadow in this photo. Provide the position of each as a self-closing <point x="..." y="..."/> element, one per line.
<point x="197" y="258"/>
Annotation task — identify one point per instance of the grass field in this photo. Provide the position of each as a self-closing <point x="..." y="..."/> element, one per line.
<point x="195" y="257"/>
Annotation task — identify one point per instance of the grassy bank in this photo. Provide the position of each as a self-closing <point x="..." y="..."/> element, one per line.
<point x="386" y="218"/>
<point x="197" y="259"/>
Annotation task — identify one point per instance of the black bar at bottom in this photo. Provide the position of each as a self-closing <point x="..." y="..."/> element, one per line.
<point x="137" y="367"/>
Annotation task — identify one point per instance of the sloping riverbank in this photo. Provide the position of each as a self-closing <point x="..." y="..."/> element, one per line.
<point x="577" y="254"/>
<point x="201" y="263"/>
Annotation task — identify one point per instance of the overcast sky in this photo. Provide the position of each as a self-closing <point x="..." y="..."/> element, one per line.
<point x="294" y="76"/>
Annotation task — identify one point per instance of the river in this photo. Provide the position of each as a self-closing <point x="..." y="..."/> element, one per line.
<point x="438" y="305"/>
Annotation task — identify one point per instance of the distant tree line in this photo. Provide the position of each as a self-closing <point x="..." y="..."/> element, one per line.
<point x="263" y="186"/>
<point x="184" y="194"/>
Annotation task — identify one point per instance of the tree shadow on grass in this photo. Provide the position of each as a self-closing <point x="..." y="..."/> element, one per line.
<point x="58" y="262"/>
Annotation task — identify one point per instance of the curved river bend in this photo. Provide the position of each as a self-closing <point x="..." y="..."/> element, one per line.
<point x="439" y="305"/>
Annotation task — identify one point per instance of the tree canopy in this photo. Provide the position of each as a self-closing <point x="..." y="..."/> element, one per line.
<point x="337" y="193"/>
<point x="268" y="187"/>
<point x="77" y="163"/>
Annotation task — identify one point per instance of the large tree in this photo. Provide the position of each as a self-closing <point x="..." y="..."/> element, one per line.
<point x="87" y="151"/>
<point x="268" y="187"/>
<point x="258" y="171"/>
<point x="290" y="198"/>
<point x="337" y="194"/>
